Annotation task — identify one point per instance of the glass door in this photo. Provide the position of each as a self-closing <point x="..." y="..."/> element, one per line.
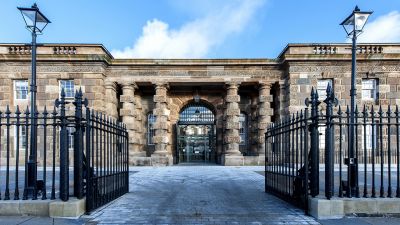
<point x="195" y="143"/>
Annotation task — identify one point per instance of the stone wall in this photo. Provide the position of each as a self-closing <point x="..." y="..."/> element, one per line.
<point x="265" y="89"/>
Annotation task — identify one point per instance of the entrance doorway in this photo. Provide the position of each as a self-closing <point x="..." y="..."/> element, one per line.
<point x="195" y="132"/>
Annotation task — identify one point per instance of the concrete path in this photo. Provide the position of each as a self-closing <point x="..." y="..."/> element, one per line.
<point x="199" y="195"/>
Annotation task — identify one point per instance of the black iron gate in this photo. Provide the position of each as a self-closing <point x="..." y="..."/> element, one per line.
<point x="286" y="159"/>
<point x="100" y="146"/>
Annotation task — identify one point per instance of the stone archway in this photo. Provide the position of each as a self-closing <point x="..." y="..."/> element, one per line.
<point x="196" y="134"/>
<point x="179" y="101"/>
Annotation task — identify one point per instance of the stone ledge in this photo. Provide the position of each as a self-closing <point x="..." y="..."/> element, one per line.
<point x="161" y="160"/>
<point x="228" y="160"/>
<point x="339" y="207"/>
<point x="254" y="160"/>
<point x="73" y="208"/>
<point x="140" y="161"/>
<point x="47" y="208"/>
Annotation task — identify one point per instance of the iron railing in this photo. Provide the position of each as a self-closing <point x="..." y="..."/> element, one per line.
<point x="95" y="143"/>
<point x="326" y="142"/>
<point x="286" y="173"/>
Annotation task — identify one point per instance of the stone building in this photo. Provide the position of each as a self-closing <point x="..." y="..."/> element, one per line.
<point x="199" y="110"/>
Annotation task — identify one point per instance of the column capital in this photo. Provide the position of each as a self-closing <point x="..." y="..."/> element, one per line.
<point x="161" y="84"/>
<point x="265" y="84"/>
<point x="232" y="84"/>
<point x="110" y="84"/>
<point x="129" y="85"/>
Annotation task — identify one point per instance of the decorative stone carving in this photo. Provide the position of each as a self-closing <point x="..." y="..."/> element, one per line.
<point x="128" y="113"/>
<point x="264" y="114"/>
<point x="161" y="126"/>
<point x="111" y="98"/>
<point x="232" y="138"/>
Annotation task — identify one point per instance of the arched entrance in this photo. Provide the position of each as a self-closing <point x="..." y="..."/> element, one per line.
<point x="196" y="135"/>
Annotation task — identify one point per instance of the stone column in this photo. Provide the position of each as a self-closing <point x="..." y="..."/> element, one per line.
<point x="232" y="154"/>
<point x="283" y="99"/>
<point x="264" y="114"/>
<point x="254" y="125"/>
<point x="161" y="139"/>
<point x="128" y="114"/>
<point x="111" y="106"/>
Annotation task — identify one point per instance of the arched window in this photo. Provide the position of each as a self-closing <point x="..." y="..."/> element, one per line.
<point x="151" y="119"/>
<point x="243" y="128"/>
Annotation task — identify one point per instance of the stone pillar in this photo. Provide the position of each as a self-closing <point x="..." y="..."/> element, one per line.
<point x="161" y="139"/>
<point x="111" y="106"/>
<point x="283" y="99"/>
<point x="232" y="154"/>
<point x="254" y="125"/>
<point x="128" y="114"/>
<point x="264" y="114"/>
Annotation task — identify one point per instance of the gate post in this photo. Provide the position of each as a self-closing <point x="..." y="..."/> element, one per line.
<point x="78" y="147"/>
<point x="330" y="101"/>
<point x="314" y="150"/>
<point x="64" y="170"/>
<point x="89" y="171"/>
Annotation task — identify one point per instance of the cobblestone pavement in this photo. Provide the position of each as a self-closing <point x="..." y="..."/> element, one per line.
<point x="198" y="195"/>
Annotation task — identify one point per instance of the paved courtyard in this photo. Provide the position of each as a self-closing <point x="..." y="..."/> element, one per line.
<point x="198" y="195"/>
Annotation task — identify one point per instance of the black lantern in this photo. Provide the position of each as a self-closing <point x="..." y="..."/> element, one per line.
<point x="355" y="23"/>
<point x="35" y="20"/>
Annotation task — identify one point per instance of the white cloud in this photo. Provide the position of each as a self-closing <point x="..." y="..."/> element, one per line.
<point x="194" y="39"/>
<point x="385" y="28"/>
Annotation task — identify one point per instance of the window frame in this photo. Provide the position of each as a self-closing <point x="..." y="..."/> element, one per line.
<point x="71" y="132"/>
<point x="15" y="89"/>
<point x="321" y="139"/>
<point x="151" y="131"/>
<point x="371" y="134"/>
<point x="245" y="128"/>
<point x="375" y="89"/>
<point x="322" y="93"/>
<point x="60" y="88"/>
<point x="21" y="138"/>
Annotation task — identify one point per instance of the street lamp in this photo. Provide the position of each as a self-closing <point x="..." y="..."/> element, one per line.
<point x="353" y="25"/>
<point x="35" y="22"/>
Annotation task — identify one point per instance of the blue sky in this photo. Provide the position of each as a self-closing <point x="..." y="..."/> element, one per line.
<point x="199" y="28"/>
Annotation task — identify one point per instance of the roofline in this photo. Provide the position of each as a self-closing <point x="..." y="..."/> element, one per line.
<point x="65" y="44"/>
<point x="330" y="44"/>
<point x="155" y="60"/>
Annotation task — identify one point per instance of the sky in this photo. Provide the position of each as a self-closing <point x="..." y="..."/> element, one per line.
<point x="199" y="28"/>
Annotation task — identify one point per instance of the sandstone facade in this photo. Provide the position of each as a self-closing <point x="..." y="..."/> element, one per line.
<point x="264" y="90"/>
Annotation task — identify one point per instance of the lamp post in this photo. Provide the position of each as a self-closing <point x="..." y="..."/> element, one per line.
<point x="35" y="22"/>
<point x="353" y="25"/>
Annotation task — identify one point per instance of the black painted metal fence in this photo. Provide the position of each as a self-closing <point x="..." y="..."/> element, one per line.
<point x="96" y="145"/>
<point x="310" y="155"/>
<point x="286" y="173"/>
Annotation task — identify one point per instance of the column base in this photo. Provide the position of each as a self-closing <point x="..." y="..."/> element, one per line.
<point x="160" y="160"/>
<point x="140" y="161"/>
<point x="254" y="160"/>
<point x="232" y="160"/>
<point x="137" y="154"/>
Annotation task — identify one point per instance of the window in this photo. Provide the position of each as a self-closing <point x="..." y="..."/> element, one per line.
<point x="71" y="131"/>
<point x="21" y="89"/>
<point x="243" y="128"/>
<point x="321" y="131"/>
<point x="321" y="88"/>
<point x="69" y="88"/>
<point x="369" y="89"/>
<point x="21" y="138"/>
<point x="151" y="119"/>
<point x="370" y="135"/>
